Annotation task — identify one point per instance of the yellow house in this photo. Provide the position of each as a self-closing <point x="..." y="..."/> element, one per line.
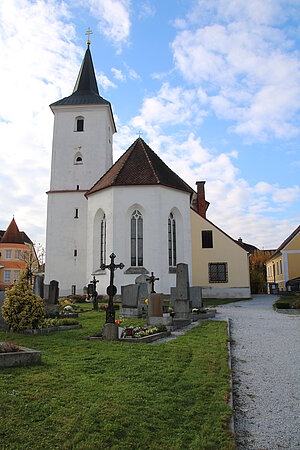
<point x="283" y="267"/>
<point x="219" y="264"/>
<point x="16" y="252"/>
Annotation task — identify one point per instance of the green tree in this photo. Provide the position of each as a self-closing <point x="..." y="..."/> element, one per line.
<point x="22" y="309"/>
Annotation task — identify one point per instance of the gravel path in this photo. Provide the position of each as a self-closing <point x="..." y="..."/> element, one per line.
<point x="266" y="374"/>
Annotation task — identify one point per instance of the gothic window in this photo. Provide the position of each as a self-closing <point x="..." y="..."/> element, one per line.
<point x="103" y="240"/>
<point x="79" y="123"/>
<point x="172" y="240"/>
<point x="218" y="272"/>
<point x="136" y="239"/>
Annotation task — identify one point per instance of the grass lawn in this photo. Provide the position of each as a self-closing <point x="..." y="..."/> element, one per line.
<point x="221" y="301"/>
<point x="114" y="395"/>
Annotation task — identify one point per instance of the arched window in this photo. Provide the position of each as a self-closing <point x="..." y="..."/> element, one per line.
<point x="78" y="158"/>
<point x="79" y="123"/>
<point x="103" y="240"/>
<point x="172" y="240"/>
<point x="136" y="238"/>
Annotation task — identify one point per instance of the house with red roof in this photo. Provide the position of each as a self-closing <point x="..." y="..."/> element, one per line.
<point x="16" y="252"/>
<point x="137" y="208"/>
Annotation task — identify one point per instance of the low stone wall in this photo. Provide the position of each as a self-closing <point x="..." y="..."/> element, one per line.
<point x="26" y="357"/>
<point x="226" y="292"/>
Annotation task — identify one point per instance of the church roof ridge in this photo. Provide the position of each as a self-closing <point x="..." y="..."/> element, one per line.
<point x="139" y="165"/>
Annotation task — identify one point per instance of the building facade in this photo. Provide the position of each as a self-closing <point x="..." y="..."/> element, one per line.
<point x="16" y="252"/>
<point x="137" y="208"/>
<point x="283" y="267"/>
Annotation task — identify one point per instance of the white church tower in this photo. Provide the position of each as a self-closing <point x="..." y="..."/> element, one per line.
<point x="81" y="154"/>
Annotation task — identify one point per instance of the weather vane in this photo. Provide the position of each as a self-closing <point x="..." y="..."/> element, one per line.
<point x="88" y="32"/>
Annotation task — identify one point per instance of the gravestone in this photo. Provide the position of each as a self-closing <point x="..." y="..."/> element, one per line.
<point x="143" y="291"/>
<point x="53" y="293"/>
<point x="182" y="305"/>
<point x="195" y="293"/>
<point x="38" y="285"/>
<point x="3" y="324"/>
<point x="155" y="314"/>
<point x="130" y="301"/>
<point x="182" y="282"/>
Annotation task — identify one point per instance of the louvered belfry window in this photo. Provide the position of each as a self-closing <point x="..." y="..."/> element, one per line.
<point x="136" y="239"/>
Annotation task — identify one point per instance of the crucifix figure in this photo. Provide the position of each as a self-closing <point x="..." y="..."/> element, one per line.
<point x="95" y="293"/>
<point x="152" y="280"/>
<point x="89" y="31"/>
<point x="111" y="290"/>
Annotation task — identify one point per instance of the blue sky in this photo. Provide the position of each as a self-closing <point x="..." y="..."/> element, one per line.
<point x="213" y="86"/>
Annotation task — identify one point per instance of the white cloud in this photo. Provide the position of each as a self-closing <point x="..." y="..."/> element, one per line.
<point x="35" y="38"/>
<point x="113" y="19"/>
<point x="118" y="74"/>
<point x="146" y="9"/>
<point x="105" y="82"/>
<point x="244" y="64"/>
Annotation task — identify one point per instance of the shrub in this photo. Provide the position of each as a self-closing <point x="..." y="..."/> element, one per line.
<point x="77" y="298"/>
<point x="282" y="305"/>
<point x="49" y="323"/>
<point x="296" y="304"/>
<point x="64" y="302"/>
<point x="22" y="309"/>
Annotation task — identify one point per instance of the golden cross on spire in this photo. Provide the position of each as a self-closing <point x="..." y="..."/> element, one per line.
<point x="88" y="32"/>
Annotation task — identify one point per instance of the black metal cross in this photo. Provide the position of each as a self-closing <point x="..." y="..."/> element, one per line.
<point x="152" y="280"/>
<point x="95" y="293"/>
<point x="111" y="289"/>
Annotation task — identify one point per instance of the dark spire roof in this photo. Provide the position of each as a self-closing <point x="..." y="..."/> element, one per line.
<point x="13" y="236"/>
<point x="86" y="90"/>
<point x="139" y="165"/>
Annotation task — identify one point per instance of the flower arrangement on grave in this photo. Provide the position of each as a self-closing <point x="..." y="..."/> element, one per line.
<point x="138" y="332"/>
<point x="146" y="301"/>
<point x="22" y="309"/>
<point x="9" y="347"/>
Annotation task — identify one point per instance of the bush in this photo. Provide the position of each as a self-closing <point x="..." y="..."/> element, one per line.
<point x="22" y="310"/>
<point x="77" y="298"/>
<point x="296" y="304"/>
<point x="282" y="305"/>
<point x="49" y="323"/>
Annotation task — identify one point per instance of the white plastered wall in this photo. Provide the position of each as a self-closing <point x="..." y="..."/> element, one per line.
<point x="155" y="203"/>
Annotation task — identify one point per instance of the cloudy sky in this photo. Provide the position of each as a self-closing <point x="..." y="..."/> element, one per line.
<point x="213" y="86"/>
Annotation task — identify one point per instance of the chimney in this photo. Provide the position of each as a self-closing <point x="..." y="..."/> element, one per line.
<point x="201" y="203"/>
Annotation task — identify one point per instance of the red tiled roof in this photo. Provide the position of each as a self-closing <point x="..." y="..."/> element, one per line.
<point x="139" y="165"/>
<point x="13" y="236"/>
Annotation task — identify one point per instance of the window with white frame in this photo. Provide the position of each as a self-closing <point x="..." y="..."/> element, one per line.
<point x="136" y="235"/>
<point x="172" y="240"/>
<point x="6" y="276"/>
<point x="18" y="254"/>
<point x="8" y="254"/>
<point x="79" y="123"/>
<point x="16" y="275"/>
<point x="218" y="272"/>
<point x="103" y="240"/>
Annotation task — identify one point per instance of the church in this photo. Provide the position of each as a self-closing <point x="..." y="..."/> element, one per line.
<point x="137" y="208"/>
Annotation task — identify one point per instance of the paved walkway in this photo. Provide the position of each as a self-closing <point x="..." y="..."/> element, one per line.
<point x="266" y="374"/>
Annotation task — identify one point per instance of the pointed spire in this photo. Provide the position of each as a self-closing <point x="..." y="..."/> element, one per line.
<point x="86" y="80"/>
<point x="12" y="235"/>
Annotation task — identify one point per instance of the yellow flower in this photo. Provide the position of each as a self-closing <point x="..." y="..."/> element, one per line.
<point x="146" y="301"/>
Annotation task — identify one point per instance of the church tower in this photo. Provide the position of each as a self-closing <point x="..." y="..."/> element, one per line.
<point x="81" y="153"/>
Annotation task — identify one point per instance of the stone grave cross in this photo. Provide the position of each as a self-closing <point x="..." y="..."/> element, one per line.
<point x="152" y="280"/>
<point x="111" y="289"/>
